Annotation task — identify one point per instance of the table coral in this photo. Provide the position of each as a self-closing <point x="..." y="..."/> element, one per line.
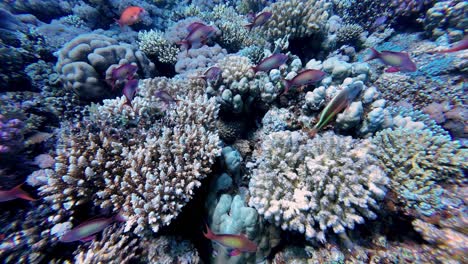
<point x="144" y="165"/>
<point x="313" y="185"/>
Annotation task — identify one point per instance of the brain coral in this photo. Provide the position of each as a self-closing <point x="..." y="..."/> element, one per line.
<point x="311" y="185"/>
<point x="85" y="61"/>
<point x="297" y="18"/>
<point x="416" y="160"/>
<point x="133" y="160"/>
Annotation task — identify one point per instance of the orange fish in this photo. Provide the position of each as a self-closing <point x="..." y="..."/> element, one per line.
<point x="15" y="193"/>
<point x="130" y="16"/>
<point x="235" y="243"/>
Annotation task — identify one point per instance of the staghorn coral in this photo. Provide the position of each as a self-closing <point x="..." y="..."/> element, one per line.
<point x="313" y="185"/>
<point x="153" y="44"/>
<point x="416" y="161"/>
<point x="296" y="18"/>
<point x="133" y="160"/>
<point x="85" y="63"/>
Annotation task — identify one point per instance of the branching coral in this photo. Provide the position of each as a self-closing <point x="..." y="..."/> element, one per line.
<point x="134" y="161"/>
<point x="312" y="185"/>
<point x="296" y="18"/>
<point x="153" y="44"/>
<point x="416" y="161"/>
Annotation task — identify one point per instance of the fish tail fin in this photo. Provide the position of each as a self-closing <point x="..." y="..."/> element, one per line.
<point x="287" y="84"/>
<point x="254" y="68"/>
<point x="119" y="217"/>
<point x="209" y="234"/>
<point x="20" y="193"/>
<point x="249" y="26"/>
<point x="374" y="55"/>
<point x="118" y="22"/>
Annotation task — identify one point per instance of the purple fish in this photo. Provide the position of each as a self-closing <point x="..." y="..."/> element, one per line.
<point x="259" y="20"/>
<point x="460" y="45"/>
<point x="15" y="193"/>
<point x="123" y="72"/>
<point x="303" y="78"/>
<point x="165" y="97"/>
<point x="87" y="230"/>
<point x="130" y="90"/>
<point x="379" y="21"/>
<point x="212" y="74"/>
<point x="194" y="25"/>
<point x="272" y="62"/>
<point x="399" y="61"/>
<point x="199" y="35"/>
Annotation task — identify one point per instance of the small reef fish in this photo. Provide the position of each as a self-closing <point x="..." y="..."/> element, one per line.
<point x="15" y="193"/>
<point x="303" y="78"/>
<point x="335" y="106"/>
<point x="199" y="35"/>
<point x="272" y="62"/>
<point x="457" y="46"/>
<point x="130" y="90"/>
<point x="131" y="15"/>
<point x="165" y="97"/>
<point x="236" y="244"/>
<point x="123" y="72"/>
<point x="194" y="25"/>
<point x="212" y="74"/>
<point x="259" y="20"/>
<point x="379" y="21"/>
<point x="87" y="231"/>
<point x="37" y="138"/>
<point x="399" y="61"/>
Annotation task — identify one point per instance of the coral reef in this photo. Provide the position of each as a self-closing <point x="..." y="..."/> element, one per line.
<point x="312" y="185"/>
<point x="199" y="58"/>
<point x="154" y="45"/>
<point x="296" y="18"/>
<point x="417" y="161"/>
<point x="145" y="170"/>
<point x="447" y="17"/>
<point x="86" y="61"/>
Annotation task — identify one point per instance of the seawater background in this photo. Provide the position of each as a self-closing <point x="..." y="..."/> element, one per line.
<point x="384" y="181"/>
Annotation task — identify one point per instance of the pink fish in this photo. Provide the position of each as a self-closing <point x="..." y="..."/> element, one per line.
<point x="212" y="74"/>
<point x="87" y="230"/>
<point x="194" y="25"/>
<point x="199" y="35"/>
<point x="303" y="78"/>
<point x="399" y="61"/>
<point x="237" y="244"/>
<point x="272" y="62"/>
<point x="123" y="72"/>
<point x="457" y="46"/>
<point x="15" y="193"/>
<point x="342" y="100"/>
<point x="130" y="90"/>
<point x="259" y="20"/>
<point x="165" y="97"/>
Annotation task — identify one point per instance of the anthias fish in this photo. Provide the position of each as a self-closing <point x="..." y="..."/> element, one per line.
<point x="130" y="90"/>
<point x="15" y="193"/>
<point x="87" y="230"/>
<point x="165" y="97"/>
<point x="131" y="15"/>
<point x="336" y="105"/>
<point x="199" y="35"/>
<point x="212" y="74"/>
<point x="194" y="25"/>
<point x="272" y="62"/>
<point x="123" y="72"/>
<point x="236" y="244"/>
<point x="303" y="78"/>
<point x="259" y="20"/>
<point x="457" y="46"/>
<point x="399" y="61"/>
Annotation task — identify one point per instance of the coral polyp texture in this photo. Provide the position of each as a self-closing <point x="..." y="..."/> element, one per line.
<point x="417" y="161"/>
<point x="86" y="62"/>
<point x="134" y="160"/>
<point x="297" y="18"/>
<point x="313" y="185"/>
